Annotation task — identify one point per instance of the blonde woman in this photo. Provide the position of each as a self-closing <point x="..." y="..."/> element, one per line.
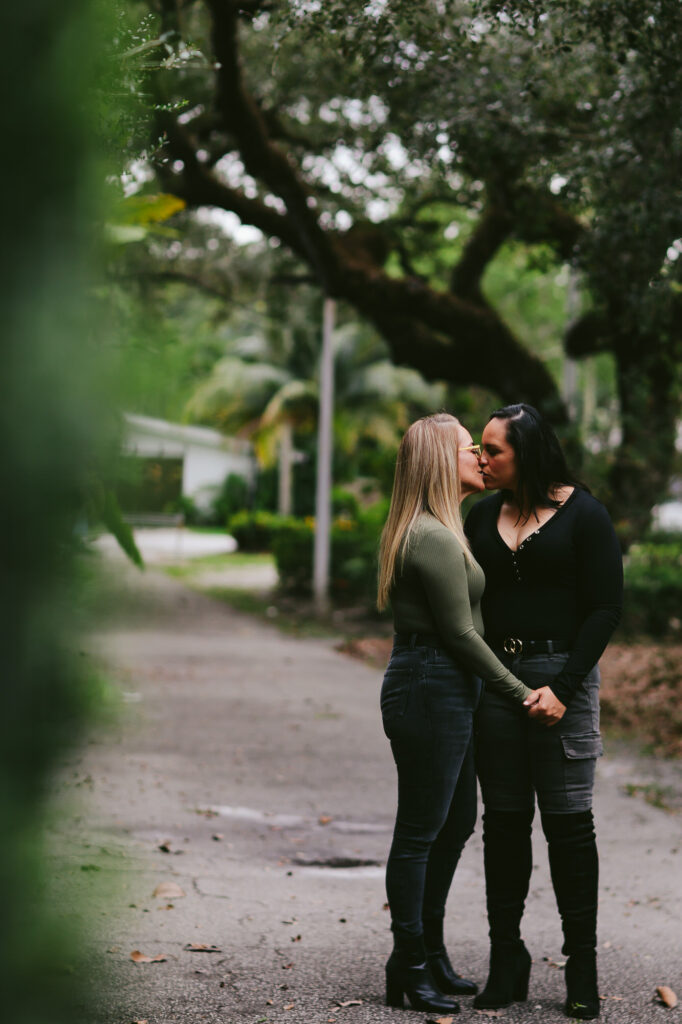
<point x="431" y="687"/>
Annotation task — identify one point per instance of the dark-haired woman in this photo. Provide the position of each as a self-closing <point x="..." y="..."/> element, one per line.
<point x="553" y="595"/>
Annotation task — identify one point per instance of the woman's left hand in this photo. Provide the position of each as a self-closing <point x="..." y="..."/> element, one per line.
<point x="544" y="706"/>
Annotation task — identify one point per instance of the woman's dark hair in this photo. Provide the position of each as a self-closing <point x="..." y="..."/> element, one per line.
<point x="539" y="458"/>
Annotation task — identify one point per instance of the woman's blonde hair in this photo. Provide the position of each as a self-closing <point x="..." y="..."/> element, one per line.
<point x="426" y="480"/>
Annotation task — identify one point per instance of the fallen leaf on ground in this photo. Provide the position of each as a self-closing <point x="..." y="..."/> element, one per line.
<point x="667" y="996"/>
<point x="217" y="836"/>
<point x="350" y="1002"/>
<point x="202" y="947"/>
<point x="165" y="846"/>
<point x="490" y="1013"/>
<point x="269" y="1002"/>
<point x="441" y="1020"/>
<point x="140" y="1022"/>
<point x="287" y="967"/>
<point x="114" y="949"/>
<point x="168" y="891"/>
<point x="324" y="819"/>
<point x="289" y="1006"/>
<point x="142" y="958"/>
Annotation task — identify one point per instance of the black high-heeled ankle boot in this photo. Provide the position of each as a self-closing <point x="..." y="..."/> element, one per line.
<point x="408" y="974"/>
<point x="446" y="977"/>
<point x="508" y="976"/>
<point x="443" y="973"/>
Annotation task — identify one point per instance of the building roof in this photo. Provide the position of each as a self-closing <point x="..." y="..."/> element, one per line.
<point x="182" y="433"/>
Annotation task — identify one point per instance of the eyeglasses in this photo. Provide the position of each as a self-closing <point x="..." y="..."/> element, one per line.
<point x="475" y="448"/>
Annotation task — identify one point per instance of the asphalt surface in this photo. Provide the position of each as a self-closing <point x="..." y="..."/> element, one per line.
<point x="257" y="761"/>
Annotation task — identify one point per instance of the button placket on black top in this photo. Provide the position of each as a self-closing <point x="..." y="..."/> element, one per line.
<point x="515" y="561"/>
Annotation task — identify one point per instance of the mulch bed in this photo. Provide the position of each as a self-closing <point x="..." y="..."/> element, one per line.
<point x="641" y="692"/>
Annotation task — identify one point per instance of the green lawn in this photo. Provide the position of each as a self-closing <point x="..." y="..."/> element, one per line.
<point x="238" y="560"/>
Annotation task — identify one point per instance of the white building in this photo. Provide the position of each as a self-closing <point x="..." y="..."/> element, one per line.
<point x="207" y="457"/>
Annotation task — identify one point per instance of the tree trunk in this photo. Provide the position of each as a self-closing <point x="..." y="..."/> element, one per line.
<point x="649" y="404"/>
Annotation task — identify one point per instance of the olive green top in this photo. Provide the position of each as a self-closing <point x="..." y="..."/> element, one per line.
<point x="438" y="590"/>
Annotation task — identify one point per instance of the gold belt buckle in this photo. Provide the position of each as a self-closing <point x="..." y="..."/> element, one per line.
<point x="512" y="646"/>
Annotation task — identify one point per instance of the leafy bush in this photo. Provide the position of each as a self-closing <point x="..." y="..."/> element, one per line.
<point x="185" y="506"/>
<point x="344" y="503"/>
<point x="354" y="555"/>
<point x="653" y="589"/>
<point x="255" y="531"/>
<point x="232" y="497"/>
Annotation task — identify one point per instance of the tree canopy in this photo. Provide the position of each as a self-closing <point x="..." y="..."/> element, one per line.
<point x="395" y="148"/>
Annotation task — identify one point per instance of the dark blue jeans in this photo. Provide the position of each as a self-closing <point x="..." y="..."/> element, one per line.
<point x="427" y="706"/>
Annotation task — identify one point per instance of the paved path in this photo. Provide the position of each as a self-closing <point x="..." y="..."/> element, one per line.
<point x="258" y="761"/>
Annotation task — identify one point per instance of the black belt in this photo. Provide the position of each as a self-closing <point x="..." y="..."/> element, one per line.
<point x="513" y="645"/>
<point x="418" y="640"/>
<point x="510" y="645"/>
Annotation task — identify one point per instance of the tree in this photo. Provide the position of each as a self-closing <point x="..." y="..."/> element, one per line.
<point x="337" y="129"/>
<point x="266" y="387"/>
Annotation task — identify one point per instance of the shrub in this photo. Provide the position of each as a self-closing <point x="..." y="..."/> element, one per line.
<point x="255" y="531"/>
<point x="187" y="507"/>
<point x="354" y="554"/>
<point x="653" y="589"/>
<point x="232" y="497"/>
<point x="344" y="503"/>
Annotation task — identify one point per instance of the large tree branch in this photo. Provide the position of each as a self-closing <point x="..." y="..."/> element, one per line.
<point x="487" y="237"/>
<point x="527" y="215"/>
<point x="445" y="336"/>
<point x="587" y="336"/>
<point x="539" y="217"/>
<point x="198" y="186"/>
<point x="265" y="161"/>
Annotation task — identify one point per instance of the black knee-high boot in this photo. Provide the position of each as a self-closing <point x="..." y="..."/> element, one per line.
<point x="508" y="864"/>
<point x="574" y="865"/>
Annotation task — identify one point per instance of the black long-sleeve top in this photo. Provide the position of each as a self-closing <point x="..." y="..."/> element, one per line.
<point x="564" y="582"/>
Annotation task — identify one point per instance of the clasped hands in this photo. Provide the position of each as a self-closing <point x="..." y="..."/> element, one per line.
<point x="544" y="706"/>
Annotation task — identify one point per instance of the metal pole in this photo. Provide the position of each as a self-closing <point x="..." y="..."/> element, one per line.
<point x="285" y="460"/>
<point x="321" y="552"/>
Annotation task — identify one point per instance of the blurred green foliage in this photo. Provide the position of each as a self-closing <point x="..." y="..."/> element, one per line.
<point x="59" y="429"/>
<point x="257" y="530"/>
<point x="354" y="555"/>
<point x="653" y="590"/>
